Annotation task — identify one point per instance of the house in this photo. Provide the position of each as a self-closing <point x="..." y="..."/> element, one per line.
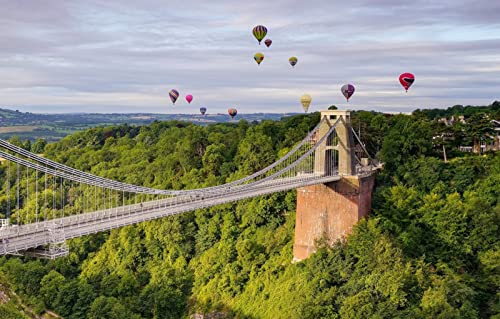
<point x="452" y="120"/>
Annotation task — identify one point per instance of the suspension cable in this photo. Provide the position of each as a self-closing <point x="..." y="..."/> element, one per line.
<point x="26" y="200"/>
<point x="36" y="196"/>
<point x="18" y="206"/>
<point x="93" y="179"/>
<point x="8" y="190"/>
<point x="45" y="199"/>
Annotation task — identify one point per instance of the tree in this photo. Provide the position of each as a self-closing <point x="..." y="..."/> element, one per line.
<point x="213" y="158"/>
<point x="86" y="296"/>
<point x="50" y="286"/>
<point x="162" y="302"/>
<point x="39" y="146"/>
<point x="110" y="308"/>
<point x="66" y="298"/>
<point x="478" y="127"/>
<point x="407" y="140"/>
<point x="255" y="152"/>
<point x="27" y="145"/>
<point x="15" y="140"/>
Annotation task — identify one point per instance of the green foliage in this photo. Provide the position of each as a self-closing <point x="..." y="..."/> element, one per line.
<point x="50" y="286"/>
<point x="407" y="140"/>
<point x="39" y="146"/>
<point x="109" y="308"/>
<point x="8" y="312"/>
<point x="429" y="250"/>
<point x="456" y="110"/>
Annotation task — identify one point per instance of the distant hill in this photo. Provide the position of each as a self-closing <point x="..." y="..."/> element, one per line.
<point x="53" y="127"/>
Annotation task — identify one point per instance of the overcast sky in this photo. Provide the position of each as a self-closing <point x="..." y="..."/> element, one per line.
<point x="125" y="56"/>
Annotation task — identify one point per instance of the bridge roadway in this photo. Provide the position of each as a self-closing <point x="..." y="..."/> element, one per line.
<point x="23" y="237"/>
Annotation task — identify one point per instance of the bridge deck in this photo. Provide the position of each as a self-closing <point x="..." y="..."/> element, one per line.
<point x="23" y="237"/>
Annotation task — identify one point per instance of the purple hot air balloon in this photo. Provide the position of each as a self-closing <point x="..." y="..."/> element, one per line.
<point x="174" y="94"/>
<point x="347" y="90"/>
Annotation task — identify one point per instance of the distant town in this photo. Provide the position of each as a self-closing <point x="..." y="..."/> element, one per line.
<point x="474" y="129"/>
<point x="53" y="127"/>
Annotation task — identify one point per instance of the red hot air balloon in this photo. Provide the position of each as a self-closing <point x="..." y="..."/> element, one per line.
<point x="268" y="42"/>
<point x="406" y="80"/>
<point x="347" y="90"/>
<point x="189" y="98"/>
<point x="232" y="112"/>
<point x="174" y="94"/>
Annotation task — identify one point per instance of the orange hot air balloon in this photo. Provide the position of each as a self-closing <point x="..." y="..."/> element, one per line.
<point x="232" y="112"/>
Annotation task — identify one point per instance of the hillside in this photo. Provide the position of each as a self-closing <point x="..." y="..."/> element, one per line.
<point x="53" y="127"/>
<point x="430" y="248"/>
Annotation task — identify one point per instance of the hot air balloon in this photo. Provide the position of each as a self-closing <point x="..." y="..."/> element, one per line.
<point x="174" y="94"/>
<point x="293" y="60"/>
<point x="203" y="110"/>
<point x="306" y="101"/>
<point x="406" y="80"/>
<point x="268" y="42"/>
<point x="259" y="32"/>
<point x="189" y="98"/>
<point x="347" y="90"/>
<point x="232" y="112"/>
<point x="258" y="57"/>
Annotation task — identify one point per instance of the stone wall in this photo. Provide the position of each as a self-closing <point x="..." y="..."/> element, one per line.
<point x="330" y="211"/>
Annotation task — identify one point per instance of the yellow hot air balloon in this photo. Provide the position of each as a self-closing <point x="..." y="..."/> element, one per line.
<point x="259" y="32"/>
<point x="258" y="57"/>
<point x="306" y="101"/>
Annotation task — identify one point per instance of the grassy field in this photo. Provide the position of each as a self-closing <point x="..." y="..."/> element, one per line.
<point x="17" y="129"/>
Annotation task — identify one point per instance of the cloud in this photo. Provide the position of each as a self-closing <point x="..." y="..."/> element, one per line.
<point x="125" y="56"/>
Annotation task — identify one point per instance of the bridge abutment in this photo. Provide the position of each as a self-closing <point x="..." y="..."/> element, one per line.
<point x="329" y="211"/>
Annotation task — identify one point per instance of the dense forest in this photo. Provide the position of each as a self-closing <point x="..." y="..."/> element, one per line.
<point x="430" y="248"/>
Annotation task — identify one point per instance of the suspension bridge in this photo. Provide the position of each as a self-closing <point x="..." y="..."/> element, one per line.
<point x="48" y="203"/>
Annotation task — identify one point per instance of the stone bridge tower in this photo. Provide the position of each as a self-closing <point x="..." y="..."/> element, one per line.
<point x="329" y="211"/>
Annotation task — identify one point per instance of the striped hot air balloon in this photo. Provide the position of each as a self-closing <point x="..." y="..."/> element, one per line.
<point x="259" y="32"/>
<point x="174" y="94"/>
